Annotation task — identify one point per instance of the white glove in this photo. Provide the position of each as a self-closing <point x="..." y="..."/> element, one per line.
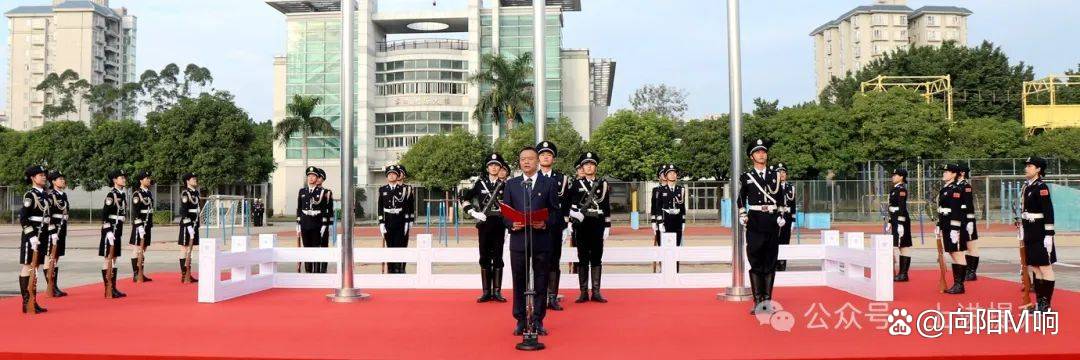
<point x="743" y="219"/>
<point x="937" y="231"/>
<point x="566" y="234"/>
<point x="297" y="229"/>
<point x="1020" y="235"/>
<point x="954" y="236"/>
<point x="109" y="238"/>
<point x="661" y="227"/>
<point x="34" y="242"/>
<point x="479" y="216"/>
<point x="900" y="231"/>
<point x="406" y="229"/>
<point x="141" y="231"/>
<point x="322" y="231"/>
<point x="971" y="228"/>
<point x="382" y="229"/>
<point x="607" y="231"/>
<point x="54" y="238"/>
<point x="888" y="228"/>
<point x="1048" y="242"/>
<point x="780" y="221"/>
<point x="191" y="232"/>
<point x="506" y="236"/>
<point x="654" y="227"/>
<point x="577" y="215"/>
<point x="683" y="229"/>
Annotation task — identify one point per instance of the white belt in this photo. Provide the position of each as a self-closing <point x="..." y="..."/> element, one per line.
<point x="783" y="209"/>
<point x="945" y="211"/>
<point x="311" y="212"/>
<point x="901" y="218"/>
<point x="147" y="211"/>
<point x="392" y="211"/>
<point x="894" y="208"/>
<point x="1031" y="216"/>
<point x="138" y="221"/>
<point x="185" y="220"/>
<point x="955" y="223"/>
<point x="37" y="219"/>
<point x="116" y="217"/>
<point x="963" y="206"/>
<point x="196" y="211"/>
<point x="970" y="216"/>
<point x="60" y="216"/>
<point x="763" y="208"/>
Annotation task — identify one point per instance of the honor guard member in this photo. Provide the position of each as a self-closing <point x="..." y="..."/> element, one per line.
<point x="969" y="230"/>
<point x="1037" y="219"/>
<point x="787" y="210"/>
<point x="758" y="202"/>
<point x="410" y="203"/>
<point x="142" y="224"/>
<point x="548" y="154"/>
<point x="481" y="201"/>
<point x="58" y="211"/>
<point x="34" y="218"/>
<point x="590" y="210"/>
<point x="328" y="219"/>
<point x="394" y="215"/>
<point x="189" y="225"/>
<point x="655" y="216"/>
<point x="114" y="213"/>
<point x="310" y="213"/>
<point x="899" y="224"/>
<point x="950" y="222"/>
<point x="671" y="209"/>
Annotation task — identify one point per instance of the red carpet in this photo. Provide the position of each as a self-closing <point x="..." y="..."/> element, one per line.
<point x="162" y="319"/>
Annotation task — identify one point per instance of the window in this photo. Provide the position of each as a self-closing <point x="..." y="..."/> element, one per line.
<point x="901" y="35"/>
<point x="933" y="35"/>
<point x="877" y="50"/>
<point x="878" y="19"/>
<point x="954" y="20"/>
<point x="881" y="35"/>
<point x="901" y="20"/>
<point x="931" y="20"/>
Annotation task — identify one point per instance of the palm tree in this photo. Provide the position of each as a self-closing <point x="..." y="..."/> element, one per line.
<point x="301" y="121"/>
<point x="511" y="89"/>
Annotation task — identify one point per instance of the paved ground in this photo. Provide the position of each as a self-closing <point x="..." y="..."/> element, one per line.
<point x="82" y="265"/>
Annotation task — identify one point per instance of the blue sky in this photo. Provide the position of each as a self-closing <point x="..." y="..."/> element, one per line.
<point x="676" y="42"/>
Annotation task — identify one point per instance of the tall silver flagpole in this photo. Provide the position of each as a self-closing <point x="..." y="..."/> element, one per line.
<point x="738" y="290"/>
<point x="539" y="85"/>
<point x="347" y="294"/>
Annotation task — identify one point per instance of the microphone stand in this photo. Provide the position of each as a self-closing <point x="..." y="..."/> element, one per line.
<point x="529" y="337"/>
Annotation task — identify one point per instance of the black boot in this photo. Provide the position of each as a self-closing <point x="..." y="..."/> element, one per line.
<point x="905" y="264"/>
<point x="553" y="291"/>
<point x="142" y="271"/>
<point x="597" y="271"/>
<point x="781" y="265"/>
<point x="959" y="273"/>
<point x="1043" y="297"/>
<point x="972" y="267"/>
<point x="583" y="283"/>
<point x="107" y="283"/>
<point x="116" y="293"/>
<point x="756" y="284"/>
<point x="770" y="279"/>
<point x="485" y="281"/>
<point x="496" y="285"/>
<point x="185" y="275"/>
<point x="56" y="292"/>
<point x="183" y="270"/>
<point x="135" y="269"/>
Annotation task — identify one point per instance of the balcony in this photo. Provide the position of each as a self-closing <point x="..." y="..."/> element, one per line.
<point x="413" y="44"/>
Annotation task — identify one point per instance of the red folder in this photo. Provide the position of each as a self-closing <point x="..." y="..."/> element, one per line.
<point x="516" y="216"/>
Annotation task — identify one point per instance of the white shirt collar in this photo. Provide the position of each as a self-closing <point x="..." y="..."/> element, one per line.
<point x="526" y="177"/>
<point x="39" y="189"/>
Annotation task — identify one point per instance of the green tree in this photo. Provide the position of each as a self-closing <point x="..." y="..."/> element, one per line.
<point x="987" y="137"/>
<point x="61" y="93"/>
<point x="705" y="151"/>
<point x="301" y="121"/>
<point x="765" y="108"/>
<point x="561" y="133"/>
<point x="164" y="89"/>
<point x="812" y="141"/>
<point x="666" y="101"/>
<point x="1060" y="144"/>
<point x="442" y="161"/>
<point x="113" y="145"/>
<point x="63" y="145"/>
<point x="510" y="89"/>
<point x="631" y="145"/>
<point x="898" y="125"/>
<point x="13" y="161"/>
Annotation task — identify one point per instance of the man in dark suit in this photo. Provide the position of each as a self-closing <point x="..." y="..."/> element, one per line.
<point x="541" y="194"/>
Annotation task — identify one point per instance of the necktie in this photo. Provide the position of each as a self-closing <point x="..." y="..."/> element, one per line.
<point x="528" y="184"/>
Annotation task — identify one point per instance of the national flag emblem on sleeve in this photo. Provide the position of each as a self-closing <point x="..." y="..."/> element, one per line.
<point x="903" y="193"/>
<point x="1044" y="192"/>
<point x="956" y="195"/>
<point x="967" y="190"/>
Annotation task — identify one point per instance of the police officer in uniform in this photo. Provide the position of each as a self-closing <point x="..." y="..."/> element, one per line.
<point x="899" y="224"/>
<point x="670" y="209"/>
<point x="1037" y="220"/>
<point x="395" y="217"/>
<point x="58" y="211"/>
<point x="189" y="224"/>
<point x="142" y="204"/>
<point x="34" y="218"/>
<point x="590" y="210"/>
<point x="481" y="201"/>
<point x="548" y="154"/>
<point x="969" y="230"/>
<point x="655" y="216"/>
<point x="950" y="222"/>
<point x="328" y="220"/>
<point x="787" y="210"/>
<point x="759" y="199"/>
<point x="310" y="213"/>
<point x="114" y="213"/>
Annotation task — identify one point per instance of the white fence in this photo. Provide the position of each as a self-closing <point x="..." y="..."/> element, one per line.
<point x="844" y="266"/>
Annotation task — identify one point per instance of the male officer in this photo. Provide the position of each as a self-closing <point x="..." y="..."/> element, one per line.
<point x="34" y="218"/>
<point x="899" y="224"/>
<point x="395" y="202"/>
<point x="950" y="221"/>
<point x="548" y="154"/>
<point x="114" y="214"/>
<point x="655" y="216"/>
<point x="189" y="225"/>
<point x="758" y="202"/>
<point x="58" y="210"/>
<point x="327" y="219"/>
<point x="787" y="210"/>
<point x="142" y="224"/>
<point x="590" y="209"/>
<point x="481" y="201"/>
<point x="670" y="208"/>
<point x="1037" y="218"/>
<point x="969" y="230"/>
<point x="311" y="215"/>
<point x="531" y="241"/>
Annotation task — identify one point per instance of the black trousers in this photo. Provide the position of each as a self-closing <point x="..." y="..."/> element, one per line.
<point x="186" y="239"/>
<point x="590" y="241"/>
<point x="396" y="237"/>
<point x="492" y="234"/>
<point x="762" y="243"/>
<point x="556" y="250"/>
<point x="103" y="244"/>
<point x="901" y="241"/>
<point x="311" y="236"/>
<point x="61" y="243"/>
<point x="540" y="268"/>
<point x="134" y="240"/>
<point x="26" y="251"/>
<point x="1038" y="251"/>
<point x="785" y="234"/>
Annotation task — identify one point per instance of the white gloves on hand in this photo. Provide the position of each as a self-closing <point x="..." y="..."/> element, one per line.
<point x="567" y="233"/>
<point x="297" y="229"/>
<point x="607" y="231"/>
<point x="780" y="221"/>
<point x="1020" y="235"/>
<point x="577" y="215"/>
<point x="662" y="229"/>
<point x="743" y="219"/>
<point x="479" y="216"/>
<point x="971" y="228"/>
<point x="1048" y="242"/>
<point x="382" y="229"/>
<point x="407" y="229"/>
<point x="54" y="238"/>
<point x="937" y="231"/>
<point x="141" y="231"/>
<point x="954" y="236"/>
<point x="888" y="228"/>
<point x="34" y="242"/>
<point x="900" y="231"/>
<point x="191" y="231"/>
<point x="654" y="227"/>
<point x="322" y="231"/>
<point x="110" y="237"/>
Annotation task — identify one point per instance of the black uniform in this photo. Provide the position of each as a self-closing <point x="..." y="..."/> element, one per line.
<point x="396" y="214"/>
<point x="189" y="217"/>
<point x="1038" y="222"/>
<point x="591" y="198"/>
<point x="114" y="214"/>
<point x="759" y="200"/>
<point x="950" y="218"/>
<point x="484" y="197"/>
<point x="314" y="210"/>
<point x="34" y="218"/>
<point x="58" y="210"/>
<point x="669" y="210"/>
<point x="899" y="217"/>
<point x="969" y="229"/>
<point x="787" y="210"/>
<point x="142" y="208"/>
<point x="562" y="184"/>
